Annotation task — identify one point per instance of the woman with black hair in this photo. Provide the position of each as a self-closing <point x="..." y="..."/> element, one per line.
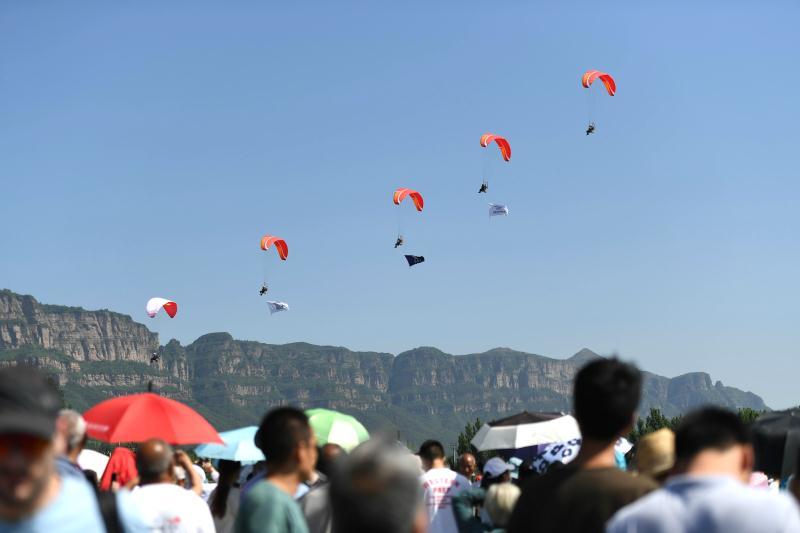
<point x="224" y="500"/>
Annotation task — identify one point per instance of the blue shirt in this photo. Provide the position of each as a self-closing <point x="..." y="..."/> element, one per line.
<point x="75" y="509"/>
<point x="67" y="469"/>
<point x="708" y="504"/>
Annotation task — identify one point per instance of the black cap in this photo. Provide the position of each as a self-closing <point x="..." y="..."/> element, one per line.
<point x="29" y="402"/>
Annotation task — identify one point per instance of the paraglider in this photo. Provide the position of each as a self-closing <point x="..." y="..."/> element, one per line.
<point x="154" y="305"/>
<point x="505" y="151"/>
<point x="611" y="87"/>
<point x="414" y="259"/>
<point x="419" y="203"/>
<point x="267" y="242"/>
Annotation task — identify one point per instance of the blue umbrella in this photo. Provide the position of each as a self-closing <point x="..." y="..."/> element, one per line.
<point x="239" y="446"/>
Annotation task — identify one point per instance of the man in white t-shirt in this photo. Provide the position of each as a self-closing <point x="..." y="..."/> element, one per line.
<point x="439" y="484"/>
<point x="165" y="506"/>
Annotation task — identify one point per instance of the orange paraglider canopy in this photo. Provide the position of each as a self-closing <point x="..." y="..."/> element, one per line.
<point x="280" y="245"/>
<point x="590" y="75"/>
<point x="401" y="193"/>
<point x="502" y="143"/>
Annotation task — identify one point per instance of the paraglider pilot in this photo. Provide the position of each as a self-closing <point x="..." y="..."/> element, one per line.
<point x="590" y="129"/>
<point x="264" y="290"/>
<point x="484" y="187"/>
<point x="154" y="358"/>
<point x="399" y="241"/>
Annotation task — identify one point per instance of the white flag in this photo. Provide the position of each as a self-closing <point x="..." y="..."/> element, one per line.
<point x="497" y="209"/>
<point x="277" y="307"/>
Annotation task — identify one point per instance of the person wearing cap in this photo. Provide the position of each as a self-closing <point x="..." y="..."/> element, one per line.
<point x="655" y="454"/>
<point x="33" y="495"/>
<point x="496" y="471"/>
<point x="497" y="503"/>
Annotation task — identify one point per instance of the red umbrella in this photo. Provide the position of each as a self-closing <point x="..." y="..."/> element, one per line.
<point x="139" y="417"/>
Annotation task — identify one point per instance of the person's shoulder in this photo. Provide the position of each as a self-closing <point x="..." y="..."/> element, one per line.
<point x="66" y="469"/>
<point x="439" y="473"/>
<point x="265" y="491"/>
<point x="75" y="483"/>
<point x="552" y="477"/>
<point x="157" y="489"/>
<point x="647" y="504"/>
<point x="257" y="490"/>
<point x="619" y="478"/>
<point x="769" y="500"/>
<point x="463" y="481"/>
<point x="786" y="510"/>
<point x="319" y="493"/>
<point x="128" y="512"/>
<point x="166" y="493"/>
<point x="78" y="492"/>
<point x="650" y="509"/>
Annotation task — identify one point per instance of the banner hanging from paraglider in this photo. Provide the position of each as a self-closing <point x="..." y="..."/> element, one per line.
<point x="277" y="307"/>
<point x="497" y="210"/>
<point x="414" y="259"/>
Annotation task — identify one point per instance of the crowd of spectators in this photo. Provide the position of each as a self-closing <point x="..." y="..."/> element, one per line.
<point x="698" y="478"/>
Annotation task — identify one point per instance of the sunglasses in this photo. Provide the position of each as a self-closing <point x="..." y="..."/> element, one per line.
<point x="29" y="446"/>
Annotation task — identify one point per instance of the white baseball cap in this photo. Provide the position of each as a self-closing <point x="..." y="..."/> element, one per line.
<point x="496" y="467"/>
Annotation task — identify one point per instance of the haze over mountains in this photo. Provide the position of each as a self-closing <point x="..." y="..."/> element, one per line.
<point x="420" y="393"/>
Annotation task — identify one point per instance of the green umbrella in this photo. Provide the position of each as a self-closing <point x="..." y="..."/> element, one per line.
<point x="337" y="428"/>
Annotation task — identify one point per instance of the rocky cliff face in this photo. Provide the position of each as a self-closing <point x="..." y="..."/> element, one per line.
<point x="83" y="335"/>
<point x="422" y="392"/>
<point x="255" y="374"/>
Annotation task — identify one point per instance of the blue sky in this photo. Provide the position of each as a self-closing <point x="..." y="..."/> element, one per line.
<point x="144" y="149"/>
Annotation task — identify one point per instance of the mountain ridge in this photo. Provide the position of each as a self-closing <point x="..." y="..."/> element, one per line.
<point x="420" y="393"/>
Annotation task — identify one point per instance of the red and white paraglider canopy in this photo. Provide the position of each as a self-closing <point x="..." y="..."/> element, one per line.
<point x="155" y="304"/>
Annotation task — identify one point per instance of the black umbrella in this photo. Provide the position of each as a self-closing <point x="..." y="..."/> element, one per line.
<point x="525" y="418"/>
<point x="776" y="438"/>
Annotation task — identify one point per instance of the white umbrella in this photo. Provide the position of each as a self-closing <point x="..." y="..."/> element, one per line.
<point x="92" y="460"/>
<point x="524" y="430"/>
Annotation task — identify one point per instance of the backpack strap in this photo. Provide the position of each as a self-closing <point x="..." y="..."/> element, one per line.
<point x="108" y="509"/>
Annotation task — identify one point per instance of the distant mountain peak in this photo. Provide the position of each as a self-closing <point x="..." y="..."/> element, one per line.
<point x="584" y="356"/>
